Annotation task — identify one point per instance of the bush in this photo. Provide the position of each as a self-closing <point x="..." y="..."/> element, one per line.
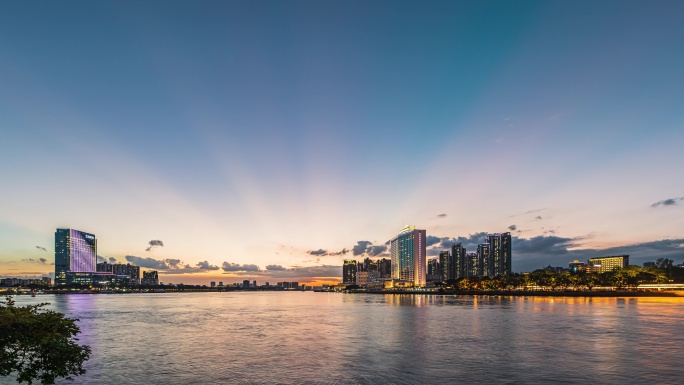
<point x="39" y="344"/>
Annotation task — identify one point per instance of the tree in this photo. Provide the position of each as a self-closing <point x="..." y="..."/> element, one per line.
<point x="589" y="280"/>
<point x="38" y="344"/>
<point x="664" y="263"/>
<point x="563" y="280"/>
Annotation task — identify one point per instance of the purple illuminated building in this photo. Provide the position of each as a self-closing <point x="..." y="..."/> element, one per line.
<point x="75" y="251"/>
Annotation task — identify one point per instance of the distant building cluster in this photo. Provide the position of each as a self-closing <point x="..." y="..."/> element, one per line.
<point x="361" y="273"/>
<point x="76" y="264"/>
<point x="247" y="285"/>
<point x="492" y="259"/>
<point x="408" y="266"/>
<point x="595" y="265"/>
<point x="12" y="282"/>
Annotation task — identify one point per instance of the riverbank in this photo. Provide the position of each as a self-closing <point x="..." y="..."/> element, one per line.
<point x="497" y="293"/>
<point x="532" y="293"/>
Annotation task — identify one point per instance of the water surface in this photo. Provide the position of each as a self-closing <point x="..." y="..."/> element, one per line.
<point x="333" y="338"/>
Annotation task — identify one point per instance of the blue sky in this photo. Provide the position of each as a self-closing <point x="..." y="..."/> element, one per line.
<point x="253" y="132"/>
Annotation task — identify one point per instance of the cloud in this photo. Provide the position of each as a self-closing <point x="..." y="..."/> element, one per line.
<point x="150" y="263"/>
<point x="361" y="247"/>
<point x="470" y="242"/>
<point x="512" y="227"/>
<point x="42" y="261"/>
<point x="367" y="248"/>
<point x="322" y="253"/>
<point x="537" y="252"/>
<point x="431" y="240"/>
<point x="274" y="267"/>
<point x="204" y="265"/>
<point x="41" y="248"/>
<point x="171" y="265"/>
<point x="227" y="266"/>
<point x="441" y="215"/>
<point x="664" y="202"/>
<point x="154" y="243"/>
<point x="101" y="259"/>
<point x="528" y="212"/>
<point x="174" y="263"/>
<point x="547" y="245"/>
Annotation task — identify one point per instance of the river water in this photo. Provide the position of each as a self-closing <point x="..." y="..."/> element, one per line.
<point x="334" y="338"/>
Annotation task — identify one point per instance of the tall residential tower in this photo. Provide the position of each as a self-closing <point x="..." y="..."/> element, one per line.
<point x="499" y="262"/>
<point x="408" y="251"/>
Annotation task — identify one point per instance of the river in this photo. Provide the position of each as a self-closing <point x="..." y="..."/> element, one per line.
<point x="334" y="338"/>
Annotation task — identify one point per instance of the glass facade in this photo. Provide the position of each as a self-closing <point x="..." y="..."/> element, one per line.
<point x="407" y="251"/>
<point x="75" y="251"/>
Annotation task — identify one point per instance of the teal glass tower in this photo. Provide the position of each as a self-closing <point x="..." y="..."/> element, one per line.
<point x="408" y="254"/>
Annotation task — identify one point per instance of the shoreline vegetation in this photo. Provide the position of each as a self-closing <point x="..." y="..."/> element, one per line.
<point x="650" y="292"/>
<point x="532" y="293"/>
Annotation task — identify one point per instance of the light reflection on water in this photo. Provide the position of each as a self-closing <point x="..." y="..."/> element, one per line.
<point x="332" y="338"/>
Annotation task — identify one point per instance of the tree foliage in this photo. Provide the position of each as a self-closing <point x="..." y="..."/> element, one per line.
<point x="628" y="278"/>
<point x="38" y="344"/>
<point x="664" y="263"/>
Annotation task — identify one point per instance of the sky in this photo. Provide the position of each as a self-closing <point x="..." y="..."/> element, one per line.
<point x="270" y="140"/>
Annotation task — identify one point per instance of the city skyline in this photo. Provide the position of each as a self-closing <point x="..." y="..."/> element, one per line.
<point x="247" y="140"/>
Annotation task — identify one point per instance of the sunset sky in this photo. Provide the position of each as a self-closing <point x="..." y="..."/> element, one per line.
<point x="270" y="140"/>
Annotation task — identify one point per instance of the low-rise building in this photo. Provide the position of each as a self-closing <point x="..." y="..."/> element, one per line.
<point x="605" y="264"/>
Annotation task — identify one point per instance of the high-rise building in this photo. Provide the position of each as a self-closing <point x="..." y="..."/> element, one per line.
<point x="484" y="255"/>
<point x="75" y="251"/>
<point x="384" y="268"/>
<point x="458" y="253"/>
<point x="446" y="263"/>
<point x="407" y="251"/>
<point x="212" y="283"/>
<point x="499" y="262"/>
<point x="473" y="267"/>
<point x="245" y="284"/>
<point x="605" y="264"/>
<point x="104" y="267"/>
<point x="129" y="270"/>
<point x="349" y="269"/>
<point x="434" y="273"/>
<point x="433" y="266"/>
<point x="369" y="265"/>
<point x="150" y="278"/>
